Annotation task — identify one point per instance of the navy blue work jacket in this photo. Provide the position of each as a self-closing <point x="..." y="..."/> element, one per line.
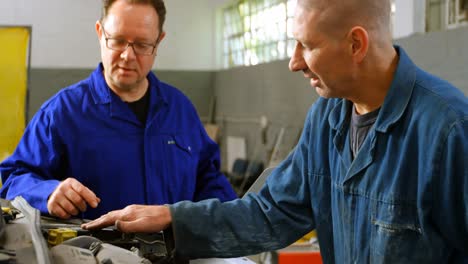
<point x="403" y="199"/>
<point x="88" y="133"/>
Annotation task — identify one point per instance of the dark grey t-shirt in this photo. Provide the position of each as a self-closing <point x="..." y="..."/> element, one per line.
<point x="359" y="128"/>
<point x="141" y="107"/>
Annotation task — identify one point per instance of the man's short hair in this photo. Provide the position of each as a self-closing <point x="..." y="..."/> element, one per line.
<point x="373" y="15"/>
<point x="158" y="5"/>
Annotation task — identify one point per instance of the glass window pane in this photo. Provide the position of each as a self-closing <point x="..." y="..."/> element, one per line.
<point x="247" y="40"/>
<point x="242" y="9"/>
<point x="256" y="31"/>
<point x="281" y="30"/>
<point x="247" y="58"/>
<point x="259" y="53"/>
<point x="254" y="6"/>
<point x="273" y="52"/>
<point x="226" y="46"/>
<point x="291" y="6"/>
<point x="266" y="53"/>
<point x="281" y="49"/>
<point x="246" y="23"/>
<point x="291" y="46"/>
<point x="230" y="59"/>
<point x="280" y="12"/>
<point x="240" y="58"/>
<point x="253" y="58"/>
<point x="452" y="12"/>
<point x="290" y="28"/>
<point x="226" y="61"/>
<point x="231" y="45"/>
<point x="234" y="58"/>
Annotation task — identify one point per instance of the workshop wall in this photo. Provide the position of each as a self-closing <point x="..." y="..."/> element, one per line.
<point x="443" y="53"/>
<point x="44" y="83"/>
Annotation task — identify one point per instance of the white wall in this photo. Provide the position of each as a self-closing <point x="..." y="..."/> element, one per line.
<point x="62" y="30"/>
<point x="409" y="18"/>
<point x="190" y="39"/>
<point x="63" y="33"/>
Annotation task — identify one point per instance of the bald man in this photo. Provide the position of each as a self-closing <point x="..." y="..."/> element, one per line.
<point x="380" y="168"/>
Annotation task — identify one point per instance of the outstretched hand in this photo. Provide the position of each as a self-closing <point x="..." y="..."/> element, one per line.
<point x="134" y="219"/>
<point x="70" y="198"/>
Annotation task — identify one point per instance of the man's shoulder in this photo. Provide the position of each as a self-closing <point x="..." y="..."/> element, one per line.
<point x="172" y="94"/>
<point x="442" y="96"/>
<point x="69" y="95"/>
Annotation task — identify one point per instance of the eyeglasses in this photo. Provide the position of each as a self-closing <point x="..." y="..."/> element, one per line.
<point x="121" y="45"/>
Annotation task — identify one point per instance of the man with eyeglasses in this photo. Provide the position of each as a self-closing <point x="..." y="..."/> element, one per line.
<point x="119" y="137"/>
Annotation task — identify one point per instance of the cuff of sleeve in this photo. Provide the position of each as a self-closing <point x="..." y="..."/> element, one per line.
<point x="40" y="202"/>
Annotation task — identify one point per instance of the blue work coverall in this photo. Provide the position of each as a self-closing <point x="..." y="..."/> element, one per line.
<point x="403" y="199"/>
<point x="88" y="133"/>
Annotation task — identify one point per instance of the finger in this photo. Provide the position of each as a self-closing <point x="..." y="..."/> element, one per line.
<point x="67" y="205"/>
<point x="88" y="195"/>
<point x="58" y="211"/>
<point x="103" y="221"/>
<point x="75" y="199"/>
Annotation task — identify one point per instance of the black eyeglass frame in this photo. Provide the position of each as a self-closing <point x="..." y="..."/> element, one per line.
<point x="128" y="43"/>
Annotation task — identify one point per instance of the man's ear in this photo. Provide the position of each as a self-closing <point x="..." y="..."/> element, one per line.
<point x="98" y="27"/>
<point x="359" y="39"/>
<point x="161" y="37"/>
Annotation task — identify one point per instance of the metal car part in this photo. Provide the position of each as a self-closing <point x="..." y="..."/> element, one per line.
<point x="66" y="254"/>
<point x="33" y="216"/>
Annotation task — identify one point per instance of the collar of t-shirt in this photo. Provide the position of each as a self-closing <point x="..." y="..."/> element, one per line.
<point x="359" y="128"/>
<point x="140" y="107"/>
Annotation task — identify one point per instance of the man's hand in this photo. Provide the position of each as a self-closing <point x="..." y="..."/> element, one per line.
<point x="135" y="219"/>
<point x="70" y="198"/>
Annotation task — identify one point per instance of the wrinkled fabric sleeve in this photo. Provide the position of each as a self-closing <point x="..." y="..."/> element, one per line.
<point x="29" y="170"/>
<point x="274" y="218"/>
<point x="211" y="183"/>
<point x="451" y="190"/>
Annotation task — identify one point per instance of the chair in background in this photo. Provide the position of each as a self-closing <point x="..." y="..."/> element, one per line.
<point x="236" y="176"/>
<point x="254" y="170"/>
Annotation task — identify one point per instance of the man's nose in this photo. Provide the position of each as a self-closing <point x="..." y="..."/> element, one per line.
<point x="128" y="53"/>
<point x="297" y="63"/>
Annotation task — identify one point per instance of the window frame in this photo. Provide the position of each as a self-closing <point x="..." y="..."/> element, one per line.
<point x="460" y="17"/>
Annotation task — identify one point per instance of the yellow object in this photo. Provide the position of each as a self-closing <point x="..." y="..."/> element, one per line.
<point x="13" y="86"/>
<point x="6" y="210"/>
<point x="9" y="213"/>
<point x="58" y="235"/>
<point x="306" y="238"/>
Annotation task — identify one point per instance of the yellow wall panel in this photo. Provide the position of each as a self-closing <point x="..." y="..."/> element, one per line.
<point x="14" y="43"/>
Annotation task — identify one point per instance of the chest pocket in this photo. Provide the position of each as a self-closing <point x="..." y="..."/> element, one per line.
<point x="397" y="236"/>
<point x="178" y="161"/>
<point x="179" y="152"/>
<point x="181" y="143"/>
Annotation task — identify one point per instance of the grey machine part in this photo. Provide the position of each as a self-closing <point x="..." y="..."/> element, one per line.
<point x="33" y="217"/>
<point x="22" y="241"/>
